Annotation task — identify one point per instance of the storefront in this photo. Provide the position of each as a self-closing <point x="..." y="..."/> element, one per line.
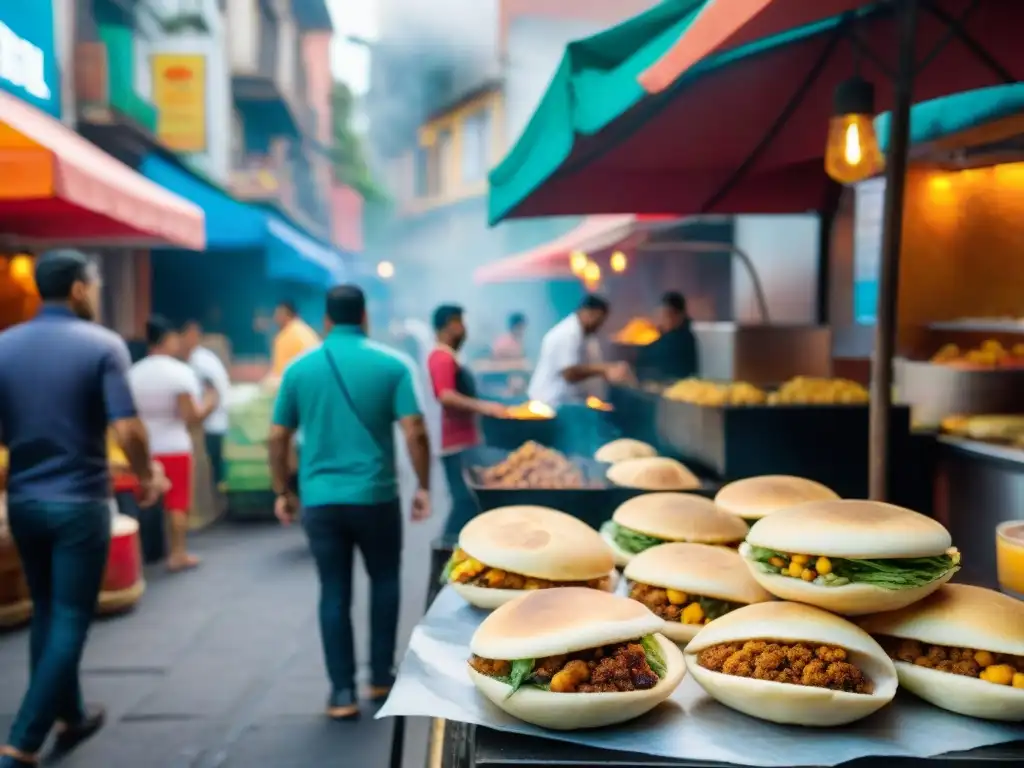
<point x="28" y="63"/>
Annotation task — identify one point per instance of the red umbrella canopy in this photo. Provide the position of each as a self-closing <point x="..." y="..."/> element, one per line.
<point x="726" y="24"/>
<point x="749" y="136"/>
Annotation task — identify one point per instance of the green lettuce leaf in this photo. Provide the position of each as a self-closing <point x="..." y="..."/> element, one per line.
<point x="652" y="650"/>
<point x="520" y="674"/>
<point x="895" y="573"/>
<point x="446" y="574"/>
<point x="714" y="608"/>
<point x="629" y="540"/>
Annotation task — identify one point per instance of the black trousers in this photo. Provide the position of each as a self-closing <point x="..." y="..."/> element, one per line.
<point x="215" y="453"/>
<point x="334" y="534"/>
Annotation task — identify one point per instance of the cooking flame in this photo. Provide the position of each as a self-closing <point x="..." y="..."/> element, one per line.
<point x="598" y="404"/>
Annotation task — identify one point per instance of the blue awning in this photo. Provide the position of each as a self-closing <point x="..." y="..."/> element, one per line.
<point x="232" y="225"/>
<point x="318" y="263"/>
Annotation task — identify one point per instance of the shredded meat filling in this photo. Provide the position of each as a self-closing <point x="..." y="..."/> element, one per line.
<point x="819" y="666"/>
<point x="609" y="669"/>
<point x="674" y="605"/>
<point x="467" y="570"/>
<point x="998" y="668"/>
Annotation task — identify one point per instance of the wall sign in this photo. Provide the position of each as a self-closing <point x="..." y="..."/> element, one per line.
<point x="28" y="61"/>
<point x="179" y="94"/>
<point x="869" y="203"/>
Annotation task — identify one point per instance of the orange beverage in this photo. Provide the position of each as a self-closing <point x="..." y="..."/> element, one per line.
<point x="1010" y="557"/>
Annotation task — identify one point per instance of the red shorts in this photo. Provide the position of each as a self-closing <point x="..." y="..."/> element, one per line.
<point x="178" y="468"/>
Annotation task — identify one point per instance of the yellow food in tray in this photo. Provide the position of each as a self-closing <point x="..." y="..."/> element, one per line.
<point x="1008" y="428"/>
<point x="639" y="331"/>
<point x="804" y="390"/>
<point x="990" y="354"/>
<point x="710" y="393"/>
<point x="531" y="411"/>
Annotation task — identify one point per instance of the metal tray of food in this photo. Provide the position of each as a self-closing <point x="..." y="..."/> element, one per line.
<point x="593" y="503"/>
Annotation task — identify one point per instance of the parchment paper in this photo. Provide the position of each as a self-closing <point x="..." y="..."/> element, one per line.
<point x="432" y="682"/>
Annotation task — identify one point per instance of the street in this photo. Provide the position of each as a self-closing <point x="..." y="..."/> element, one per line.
<point x="222" y="666"/>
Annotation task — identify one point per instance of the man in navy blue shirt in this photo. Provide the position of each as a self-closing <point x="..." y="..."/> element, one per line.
<point x="62" y="384"/>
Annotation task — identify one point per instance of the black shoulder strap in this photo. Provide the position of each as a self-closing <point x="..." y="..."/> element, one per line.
<point x="348" y="397"/>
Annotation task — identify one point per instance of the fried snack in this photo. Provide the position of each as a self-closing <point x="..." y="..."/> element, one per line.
<point x="714" y="394"/>
<point x="574" y="658"/>
<point x="659" y="518"/>
<point x="533" y="466"/>
<point x="755" y="497"/>
<point x="804" y="390"/>
<point x="961" y="649"/>
<point x="690" y="585"/>
<point x="508" y="551"/>
<point x="793" y="664"/>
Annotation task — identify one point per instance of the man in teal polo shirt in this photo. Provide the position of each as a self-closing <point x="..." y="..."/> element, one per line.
<point x="346" y="397"/>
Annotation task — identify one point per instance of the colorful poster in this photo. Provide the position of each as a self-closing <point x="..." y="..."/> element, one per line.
<point x="179" y="95"/>
<point x="869" y="204"/>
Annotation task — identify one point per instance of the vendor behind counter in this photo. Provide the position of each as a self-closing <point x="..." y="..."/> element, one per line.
<point x="673" y="356"/>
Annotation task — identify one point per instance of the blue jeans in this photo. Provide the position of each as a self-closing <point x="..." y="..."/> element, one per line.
<point x="464" y="507"/>
<point x="63" y="549"/>
<point x="334" y="533"/>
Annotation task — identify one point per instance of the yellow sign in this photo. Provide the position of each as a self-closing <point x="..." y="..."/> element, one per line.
<point x="179" y="94"/>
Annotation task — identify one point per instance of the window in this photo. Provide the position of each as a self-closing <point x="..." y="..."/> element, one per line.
<point x="445" y="160"/>
<point x="476" y="146"/>
<point x="421" y="186"/>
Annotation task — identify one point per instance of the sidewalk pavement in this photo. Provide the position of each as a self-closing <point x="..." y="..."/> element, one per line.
<point x="222" y="666"/>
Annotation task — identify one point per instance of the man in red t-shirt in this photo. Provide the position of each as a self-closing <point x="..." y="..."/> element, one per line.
<point x="455" y="390"/>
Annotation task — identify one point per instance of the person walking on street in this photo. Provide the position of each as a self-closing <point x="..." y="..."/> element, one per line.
<point x="294" y="338"/>
<point x="63" y="382"/>
<point x="171" y="402"/>
<point x="346" y="397"/>
<point x="455" y="390"/>
<point x="215" y="379"/>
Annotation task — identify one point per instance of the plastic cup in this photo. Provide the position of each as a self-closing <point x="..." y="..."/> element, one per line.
<point x="1010" y="557"/>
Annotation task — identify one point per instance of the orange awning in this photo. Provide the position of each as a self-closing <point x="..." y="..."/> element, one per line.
<point x="550" y="261"/>
<point x="726" y="24"/>
<point x="58" y="188"/>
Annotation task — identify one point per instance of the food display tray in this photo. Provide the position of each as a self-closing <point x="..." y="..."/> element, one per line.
<point x="576" y="429"/>
<point x="593" y="505"/>
<point x="827" y="443"/>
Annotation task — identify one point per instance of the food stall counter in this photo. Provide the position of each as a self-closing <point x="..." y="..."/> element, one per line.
<point x="487" y="748"/>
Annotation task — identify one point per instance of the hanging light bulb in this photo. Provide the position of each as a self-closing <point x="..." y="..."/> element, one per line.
<point x="578" y="262"/>
<point x="852" y="153"/>
<point x="385" y="270"/>
<point x="619" y="262"/>
<point x="22" y="270"/>
<point x="592" y="273"/>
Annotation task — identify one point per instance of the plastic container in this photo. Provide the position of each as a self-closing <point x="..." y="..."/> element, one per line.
<point x="1010" y="557"/>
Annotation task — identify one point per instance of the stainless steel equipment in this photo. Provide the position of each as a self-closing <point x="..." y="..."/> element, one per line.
<point x="763" y="354"/>
<point x="934" y="391"/>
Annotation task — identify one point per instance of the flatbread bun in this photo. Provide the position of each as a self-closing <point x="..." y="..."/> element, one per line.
<point x="789" y="703"/>
<point x="960" y="616"/>
<point x="680" y="517"/>
<point x="851" y="528"/>
<point x="488" y="599"/>
<point x="539" y="542"/>
<point x="697" y="569"/>
<point x="623" y="450"/>
<point x="574" y="711"/>
<point x="549" y="622"/>
<point x="653" y="474"/>
<point x="847" y="600"/>
<point x="755" y="497"/>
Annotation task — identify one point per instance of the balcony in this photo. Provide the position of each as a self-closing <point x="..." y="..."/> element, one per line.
<point x="104" y="90"/>
<point x="262" y="37"/>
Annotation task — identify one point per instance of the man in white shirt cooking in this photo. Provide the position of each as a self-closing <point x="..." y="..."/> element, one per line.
<point x="570" y="367"/>
<point x="170" y="401"/>
<point x="215" y="379"/>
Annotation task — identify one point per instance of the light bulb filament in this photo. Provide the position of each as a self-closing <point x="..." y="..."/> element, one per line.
<point x="854" y="153"/>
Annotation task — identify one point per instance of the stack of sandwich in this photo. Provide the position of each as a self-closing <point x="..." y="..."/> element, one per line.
<point x="823" y="610"/>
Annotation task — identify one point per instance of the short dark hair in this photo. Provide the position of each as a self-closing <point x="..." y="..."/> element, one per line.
<point x="515" y="320"/>
<point x="57" y="271"/>
<point x="346" y="305"/>
<point x="675" y="301"/>
<point x="445" y="314"/>
<point x="288" y="306"/>
<point x="157" y="329"/>
<point x="595" y="302"/>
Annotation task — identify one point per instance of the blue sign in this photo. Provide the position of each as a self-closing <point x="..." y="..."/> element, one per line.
<point x="867" y="249"/>
<point x="28" y="55"/>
